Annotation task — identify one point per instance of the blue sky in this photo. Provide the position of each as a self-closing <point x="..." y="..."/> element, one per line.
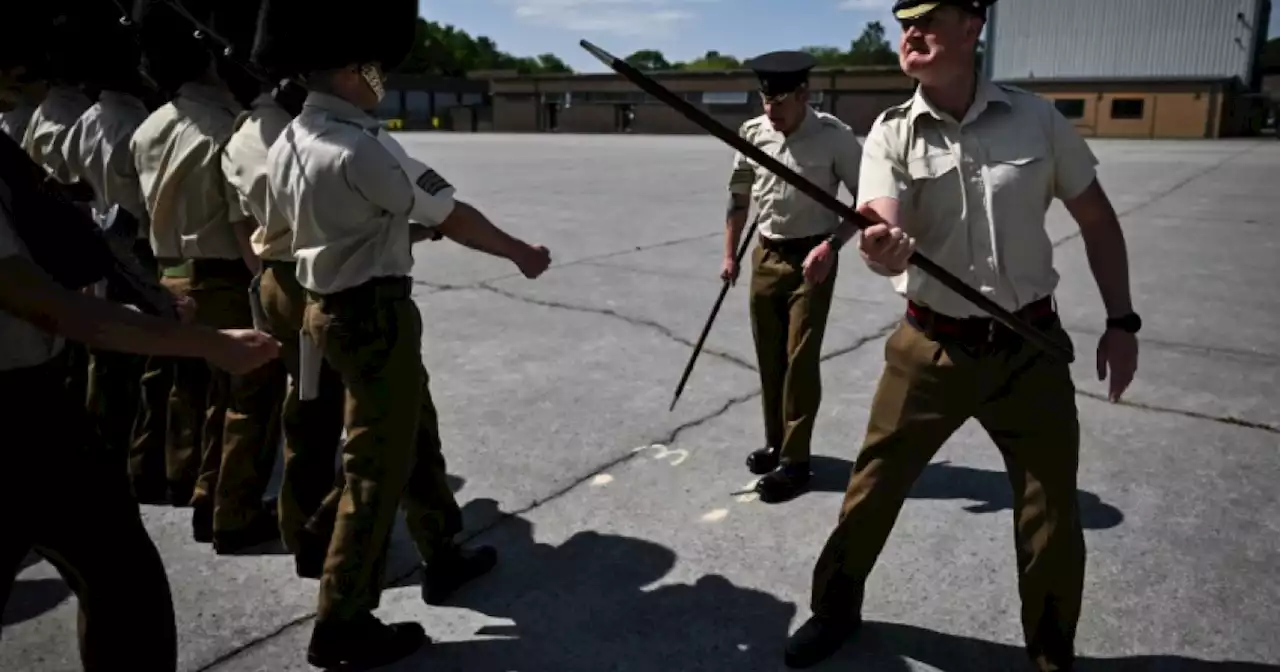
<point x="681" y="29"/>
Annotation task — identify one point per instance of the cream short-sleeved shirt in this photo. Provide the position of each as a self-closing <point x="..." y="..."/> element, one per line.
<point x="244" y="163"/>
<point x="97" y="152"/>
<point x="348" y="197"/>
<point x="823" y="150"/>
<point x="178" y="154"/>
<point x="48" y="127"/>
<point x="974" y="193"/>
<point x="22" y="344"/>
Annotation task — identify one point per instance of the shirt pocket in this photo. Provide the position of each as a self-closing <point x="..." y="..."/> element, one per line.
<point x="1016" y="167"/>
<point x="935" y="190"/>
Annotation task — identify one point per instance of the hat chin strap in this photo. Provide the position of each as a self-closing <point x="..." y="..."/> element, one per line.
<point x="373" y="77"/>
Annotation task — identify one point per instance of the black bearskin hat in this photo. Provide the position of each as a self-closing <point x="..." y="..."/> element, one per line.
<point x="236" y="21"/>
<point x="114" y="58"/>
<point x="294" y="38"/>
<point x="171" y="53"/>
<point x="49" y="35"/>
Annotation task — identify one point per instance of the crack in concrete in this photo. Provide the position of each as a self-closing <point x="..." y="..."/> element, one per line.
<point x="1195" y="415"/>
<point x="1168" y="192"/>
<point x="634" y="321"/>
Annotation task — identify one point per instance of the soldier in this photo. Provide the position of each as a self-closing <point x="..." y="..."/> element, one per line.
<point x="350" y="198"/>
<point x="312" y="428"/>
<point x="201" y="242"/>
<point x="965" y="170"/>
<point x="794" y="264"/>
<point x="61" y="495"/>
<point x="96" y="152"/>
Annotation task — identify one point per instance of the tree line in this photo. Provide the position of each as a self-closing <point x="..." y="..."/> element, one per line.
<point x="442" y="49"/>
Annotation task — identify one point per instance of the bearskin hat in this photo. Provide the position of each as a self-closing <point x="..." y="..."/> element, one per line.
<point x="236" y="21"/>
<point x="293" y="38"/>
<point x="172" y="54"/>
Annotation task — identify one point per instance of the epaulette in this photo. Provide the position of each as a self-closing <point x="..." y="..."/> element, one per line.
<point x="894" y="111"/>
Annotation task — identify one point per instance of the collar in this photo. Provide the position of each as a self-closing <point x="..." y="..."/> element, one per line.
<point x="120" y="99"/>
<point x="264" y="101"/>
<point x="340" y="109"/>
<point x="986" y="94"/>
<point x="206" y="94"/>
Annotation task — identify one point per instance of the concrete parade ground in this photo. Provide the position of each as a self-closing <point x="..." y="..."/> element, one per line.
<point x="624" y="541"/>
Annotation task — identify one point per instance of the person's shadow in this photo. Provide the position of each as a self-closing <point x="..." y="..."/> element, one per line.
<point x="886" y="647"/>
<point x="990" y="490"/>
<point x="29" y="598"/>
<point x="589" y="604"/>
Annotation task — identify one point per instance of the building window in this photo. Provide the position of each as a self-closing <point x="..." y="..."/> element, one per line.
<point x="1126" y="108"/>
<point x="1071" y="108"/>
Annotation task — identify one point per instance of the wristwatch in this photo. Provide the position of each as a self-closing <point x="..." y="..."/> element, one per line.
<point x="1130" y="323"/>
<point x="835" y="242"/>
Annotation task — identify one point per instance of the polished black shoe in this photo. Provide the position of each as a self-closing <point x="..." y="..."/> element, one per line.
<point x="263" y="530"/>
<point x="819" y="639"/>
<point x="763" y="461"/>
<point x="364" y="644"/>
<point x="202" y="523"/>
<point x="451" y="570"/>
<point x="311" y="554"/>
<point x="784" y="483"/>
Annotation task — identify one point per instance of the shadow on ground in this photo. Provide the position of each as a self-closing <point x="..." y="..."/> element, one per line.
<point x="586" y="605"/>
<point x="990" y="490"/>
<point x="886" y="647"/>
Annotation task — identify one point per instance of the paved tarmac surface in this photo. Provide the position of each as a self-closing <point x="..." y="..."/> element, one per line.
<point x="623" y="544"/>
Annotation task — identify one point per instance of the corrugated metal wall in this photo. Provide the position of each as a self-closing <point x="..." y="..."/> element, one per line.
<point x="1123" y="38"/>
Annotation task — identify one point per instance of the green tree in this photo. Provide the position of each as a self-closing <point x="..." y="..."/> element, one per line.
<point x="441" y="49"/>
<point x="712" y="60"/>
<point x="648" y="60"/>
<point x="871" y="47"/>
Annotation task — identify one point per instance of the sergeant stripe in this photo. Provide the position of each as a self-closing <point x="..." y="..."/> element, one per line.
<point x="432" y="183"/>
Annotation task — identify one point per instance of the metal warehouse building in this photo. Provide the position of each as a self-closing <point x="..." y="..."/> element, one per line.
<point x="1137" y="68"/>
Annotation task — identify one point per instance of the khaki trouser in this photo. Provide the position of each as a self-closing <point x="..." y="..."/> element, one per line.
<point x="788" y="321"/>
<point x="241" y="429"/>
<point x="160" y="448"/>
<point x="372" y="335"/>
<point x="1026" y="402"/>
<point x="67" y="498"/>
<point x="114" y="390"/>
<point x="312" y="429"/>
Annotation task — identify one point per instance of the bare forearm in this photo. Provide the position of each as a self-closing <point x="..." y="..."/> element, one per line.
<point x="31" y="296"/>
<point x="734" y="222"/>
<point x="1108" y="256"/>
<point x="468" y="226"/>
<point x="1104" y="246"/>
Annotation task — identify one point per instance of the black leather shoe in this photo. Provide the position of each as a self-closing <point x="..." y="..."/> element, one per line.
<point x="364" y="644"/>
<point x="312" y="551"/>
<point x="784" y="483"/>
<point x="819" y="639"/>
<point x="202" y="523"/>
<point x="264" y="529"/>
<point x="454" y="568"/>
<point x="763" y="461"/>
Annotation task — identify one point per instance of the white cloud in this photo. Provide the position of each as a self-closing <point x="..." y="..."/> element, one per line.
<point x="630" y="18"/>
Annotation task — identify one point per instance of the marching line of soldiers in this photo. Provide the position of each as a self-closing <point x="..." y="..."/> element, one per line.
<point x="283" y="225"/>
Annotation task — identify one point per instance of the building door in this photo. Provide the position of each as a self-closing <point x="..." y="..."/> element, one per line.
<point x="551" y="116"/>
<point x="623" y="117"/>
